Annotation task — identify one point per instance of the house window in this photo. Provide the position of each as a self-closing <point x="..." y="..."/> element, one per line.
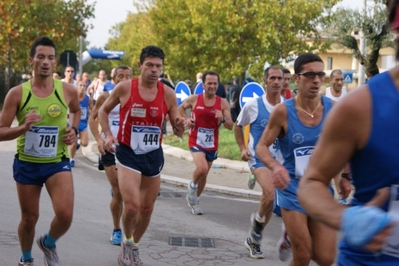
<point x="388" y="61"/>
<point x="329" y="63"/>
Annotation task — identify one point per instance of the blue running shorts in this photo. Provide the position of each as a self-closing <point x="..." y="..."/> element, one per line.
<point x="210" y="156"/>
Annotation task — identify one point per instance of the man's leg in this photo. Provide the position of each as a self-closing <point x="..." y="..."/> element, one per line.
<point x="296" y="224"/>
<point x="149" y="189"/>
<point x="72" y="152"/>
<point x="202" y="167"/>
<point x="116" y="205"/>
<point x="84" y="138"/>
<point x="60" y="189"/>
<point x="324" y="241"/>
<point x="28" y="196"/>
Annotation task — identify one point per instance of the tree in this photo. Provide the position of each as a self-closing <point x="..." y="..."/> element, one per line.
<point x="225" y="36"/>
<point x="22" y="21"/>
<point x="346" y="22"/>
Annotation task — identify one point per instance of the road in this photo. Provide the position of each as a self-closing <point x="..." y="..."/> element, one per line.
<point x="225" y="222"/>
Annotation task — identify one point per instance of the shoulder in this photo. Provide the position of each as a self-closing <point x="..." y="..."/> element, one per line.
<point x="14" y="94"/>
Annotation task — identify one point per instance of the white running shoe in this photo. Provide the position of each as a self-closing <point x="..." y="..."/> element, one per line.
<point x="284" y="245"/>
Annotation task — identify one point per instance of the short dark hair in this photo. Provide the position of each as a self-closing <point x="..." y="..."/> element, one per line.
<point x="266" y="74"/>
<point x="41" y="41"/>
<point x="286" y="71"/>
<point x="335" y="71"/>
<point x="123" y="68"/>
<point x="304" y="59"/>
<point x="151" y="51"/>
<point x="211" y="73"/>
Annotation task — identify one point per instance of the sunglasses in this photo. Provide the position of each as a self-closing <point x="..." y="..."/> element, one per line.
<point x="312" y="75"/>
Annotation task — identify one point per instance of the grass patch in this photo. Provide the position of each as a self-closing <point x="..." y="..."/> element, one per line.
<point x="228" y="147"/>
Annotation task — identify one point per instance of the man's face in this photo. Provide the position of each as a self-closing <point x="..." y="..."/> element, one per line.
<point x="210" y="84"/>
<point x="81" y="87"/>
<point x="337" y="82"/>
<point x="85" y="76"/>
<point x="69" y="72"/>
<point x="151" y="69"/>
<point x="56" y="76"/>
<point x="309" y="86"/>
<point x="287" y="80"/>
<point x="44" y="61"/>
<point x="274" y="81"/>
<point x="102" y="75"/>
<point x="122" y="75"/>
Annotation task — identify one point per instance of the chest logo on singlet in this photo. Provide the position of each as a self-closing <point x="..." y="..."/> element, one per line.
<point x="154" y="111"/>
<point x="54" y="110"/>
<point x="263" y="123"/>
<point x="298" y="138"/>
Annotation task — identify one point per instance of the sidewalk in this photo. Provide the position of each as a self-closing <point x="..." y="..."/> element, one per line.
<point x="236" y="186"/>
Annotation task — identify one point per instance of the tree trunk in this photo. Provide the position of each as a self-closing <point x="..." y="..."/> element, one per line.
<point x="8" y="72"/>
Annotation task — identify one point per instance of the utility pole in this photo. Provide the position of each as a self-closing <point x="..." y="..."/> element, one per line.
<point x="361" y="75"/>
<point x="80" y="55"/>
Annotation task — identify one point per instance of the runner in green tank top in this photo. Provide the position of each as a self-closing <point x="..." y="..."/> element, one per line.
<point x="40" y="106"/>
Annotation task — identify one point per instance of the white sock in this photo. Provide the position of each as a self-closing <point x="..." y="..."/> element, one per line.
<point x="193" y="186"/>
<point x="260" y="219"/>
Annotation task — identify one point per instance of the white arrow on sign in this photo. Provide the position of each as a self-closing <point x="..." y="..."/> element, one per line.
<point x="254" y="96"/>
<point x="183" y="96"/>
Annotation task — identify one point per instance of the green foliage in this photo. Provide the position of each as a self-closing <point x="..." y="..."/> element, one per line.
<point x="346" y="22"/>
<point x="228" y="147"/>
<point x="225" y="36"/>
<point x="22" y="21"/>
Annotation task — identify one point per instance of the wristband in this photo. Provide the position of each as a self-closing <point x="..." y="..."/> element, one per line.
<point x="223" y="120"/>
<point x="76" y="130"/>
<point x="346" y="176"/>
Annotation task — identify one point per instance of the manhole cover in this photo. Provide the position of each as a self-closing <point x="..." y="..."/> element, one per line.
<point x="192" y="242"/>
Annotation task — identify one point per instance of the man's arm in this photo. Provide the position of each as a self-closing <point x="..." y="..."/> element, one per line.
<point x="189" y="103"/>
<point x="9" y="111"/>
<point x="244" y="119"/>
<point x="93" y="121"/>
<point x="72" y="98"/>
<point x="345" y="130"/>
<point x="228" y="123"/>
<point x="178" y="123"/>
<point x="277" y="126"/>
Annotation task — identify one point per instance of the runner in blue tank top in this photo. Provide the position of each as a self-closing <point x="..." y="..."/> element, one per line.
<point x="297" y="125"/>
<point x="363" y="129"/>
<point x="256" y="114"/>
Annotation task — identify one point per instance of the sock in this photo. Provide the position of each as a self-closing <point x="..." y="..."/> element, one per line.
<point x="260" y="219"/>
<point x="49" y="241"/>
<point x="117" y="230"/>
<point x="136" y="244"/>
<point x="26" y="255"/>
<point x="128" y="240"/>
<point x="193" y="186"/>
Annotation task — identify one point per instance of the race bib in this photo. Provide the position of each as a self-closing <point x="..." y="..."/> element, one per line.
<point x="206" y="137"/>
<point x="392" y="245"/>
<point x="83" y="113"/>
<point x="41" y="141"/>
<point x="302" y="157"/>
<point x="145" y="139"/>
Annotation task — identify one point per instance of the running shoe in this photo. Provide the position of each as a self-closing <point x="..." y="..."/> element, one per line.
<point x="136" y="257"/>
<point x="50" y="254"/>
<point x="254" y="249"/>
<point x="251" y="181"/>
<point x="191" y="195"/>
<point x="125" y="258"/>
<point x="72" y="163"/>
<point x="284" y="245"/>
<point x="26" y="263"/>
<point x="195" y="209"/>
<point x="256" y="229"/>
<point x="116" y="237"/>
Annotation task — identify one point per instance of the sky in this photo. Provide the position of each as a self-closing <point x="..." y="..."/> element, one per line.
<point x="109" y="13"/>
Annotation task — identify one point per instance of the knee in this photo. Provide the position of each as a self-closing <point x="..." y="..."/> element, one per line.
<point x="302" y="256"/>
<point x="29" y="220"/>
<point x="84" y="143"/>
<point x="65" y="216"/>
<point x="147" y="210"/>
<point x="202" y="170"/>
<point x="131" y="209"/>
<point x="324" y="259"/>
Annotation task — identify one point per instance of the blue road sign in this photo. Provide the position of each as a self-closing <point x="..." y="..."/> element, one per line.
<point x="348" y="77"/>
<point x="199" y="89"/>
<point x="182" y="92"/>
<point x="250" y="91"/>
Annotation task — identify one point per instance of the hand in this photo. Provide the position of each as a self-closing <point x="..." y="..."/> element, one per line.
<point x="181" y="123"/>
<point x="101" y="146"/>
<point x="110" y="143"/>
<point x="69" y="137"/>
<point x="245" y="155"/>
<point x="31" y="118"/>
<point x="280" y="176"/>
<point x="219" y="115"/>
<point x="191" y="123"/>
